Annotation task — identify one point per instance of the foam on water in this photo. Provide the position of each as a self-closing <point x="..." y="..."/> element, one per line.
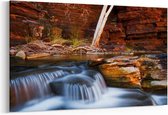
<point x="78" y="86"/>
<point x="114" y="97"/>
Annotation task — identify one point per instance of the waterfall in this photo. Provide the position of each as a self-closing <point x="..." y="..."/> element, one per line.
<point x="70" y="86"/>
<point x="98" y="79"/>
<point x="81" y="88"/>
<point x="74" y="83"/>
<point x="33" y="86"/>
<point x="87" y="86"/>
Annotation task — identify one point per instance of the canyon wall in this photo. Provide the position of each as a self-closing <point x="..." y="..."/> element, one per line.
<point x="127" y="27"/>
<point x="28" y="19"/>
<point x="138" y="27"/>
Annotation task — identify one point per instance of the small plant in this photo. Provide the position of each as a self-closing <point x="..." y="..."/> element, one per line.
<point x="56" y="39"/>
<point x="75" y="37"/>
<point x="77" y="42"/>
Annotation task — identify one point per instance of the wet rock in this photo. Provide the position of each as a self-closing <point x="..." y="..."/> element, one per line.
<point x="96" y="62"/>
<point x="57" y="87"/>
<point x="114" y="73"/>
<point x="155" y="84"/>
<point x="21" y="54"/>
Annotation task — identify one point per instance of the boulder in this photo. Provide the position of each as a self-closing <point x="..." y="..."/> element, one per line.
<point x="21" y="54"/>
<point x="114" y="73"/>
<point x="13" y="52"/>
<point x="57" y="87"/>
<point x="37" y="55"/>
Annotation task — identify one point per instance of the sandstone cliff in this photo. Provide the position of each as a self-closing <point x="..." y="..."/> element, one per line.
<point x="127" y="27"/>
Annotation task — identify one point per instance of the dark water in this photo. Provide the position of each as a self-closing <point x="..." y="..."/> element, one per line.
<point x="56" y="83"/>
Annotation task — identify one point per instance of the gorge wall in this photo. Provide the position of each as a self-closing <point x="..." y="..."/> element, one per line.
<point x="127" y="27"/>
<point x="138" y="27"/>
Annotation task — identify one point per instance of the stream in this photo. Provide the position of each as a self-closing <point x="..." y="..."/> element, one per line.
<point x="55" y="83"/>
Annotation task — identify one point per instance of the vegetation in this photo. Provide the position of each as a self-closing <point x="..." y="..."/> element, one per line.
<point x="77" y="42"/>
<point x="74" y="42"/>
<point x="56" y="39"/>
<point x="75" y="37"/>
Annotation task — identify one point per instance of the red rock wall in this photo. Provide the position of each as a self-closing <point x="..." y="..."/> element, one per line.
<point x="25" y="16"/>
<point x="137" y="27"/>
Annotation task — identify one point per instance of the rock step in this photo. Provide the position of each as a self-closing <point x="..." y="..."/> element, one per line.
<point x="133" y="71"/>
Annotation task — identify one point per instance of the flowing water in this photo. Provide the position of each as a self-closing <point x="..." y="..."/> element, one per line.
<point x="71" y="85"/>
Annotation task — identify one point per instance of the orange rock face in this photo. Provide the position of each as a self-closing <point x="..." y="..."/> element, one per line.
<point x="134" y="71"/>
<point x="121" y="70"/>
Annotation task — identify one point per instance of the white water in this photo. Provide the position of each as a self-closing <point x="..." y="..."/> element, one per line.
<point x="115" y="97"/>
<point x="79" y="87"/>
<point x="33" y="86"/>
<point x="83" y="87"/>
